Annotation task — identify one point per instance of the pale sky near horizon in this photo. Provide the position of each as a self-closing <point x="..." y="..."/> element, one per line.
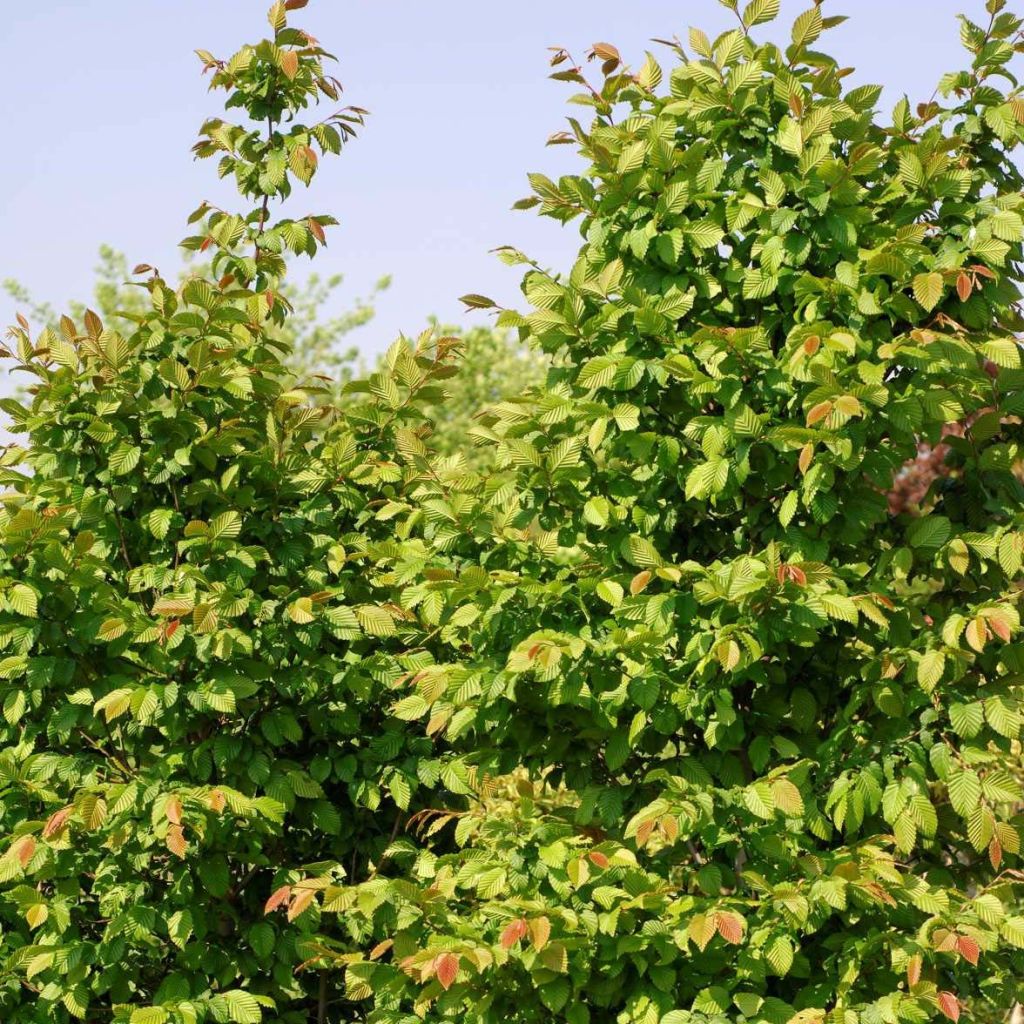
<point x="103" y="99"/>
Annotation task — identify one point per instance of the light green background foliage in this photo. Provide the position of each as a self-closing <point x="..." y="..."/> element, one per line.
<point x="656" y="715"/>
<point x="492" y="362"/>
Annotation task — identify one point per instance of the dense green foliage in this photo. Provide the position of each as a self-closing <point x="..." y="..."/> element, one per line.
<point x="668" y="719"/>
<point x="186" y="594"/>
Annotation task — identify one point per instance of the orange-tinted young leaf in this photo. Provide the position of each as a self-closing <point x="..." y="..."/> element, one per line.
<point x="1000" y="627"/>
<point x="23" y="849"/>
<point x="93" y="324"/>
<point x="173" y="810"/>
<point x="216" y="800"/>
<point x="701" y="930"/>
<point x="964" y="286"/>
<point x="381" y="948"/>
<point x="977" y="633"/>
<point x="793" y="574"/>
<point x="914" y="965"/>
<point x="995" y="852"/>
<point x="317" y="230"/>
<point x="605" y="51"/>
<point x="643" y="833"/>
<point x="812" y="344"/>
<point x="290" y="63"/>
<point x="446" y="967"/>
<point x="968" y="948"/>
<point x="176" y="841"/>
<point x="639" y="582"/>
<point x="949" y="1005"/>
<point x="598" y="859"/>
<point x="540" y="932"/>
<point x="300" y="901"/>
<point x="730" y="927"/>
<point x="513" y="932"/>
<point x="806" y="455"/>
<point x="57" y="821"/>
<point x="820" y="412"/>
<point x="278" y="898"/>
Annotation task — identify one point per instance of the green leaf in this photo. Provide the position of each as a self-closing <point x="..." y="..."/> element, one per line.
<point x="179" y="927"/>
<point x="964" y="791"/>
<point x="778" y="951"/>
<point x="149" y="1015"/>
<point x="839" y="606"/>
<point x="790" y="137"/>
<point x="23" y="600"/>
<point x="759" y="800"/>
<point x="758" y="12"/>
<point x="124" y="458"/>
<point x="239" y="1006"/>
<point x="111" y="629"/>
<point x="999" y="786"/>
<point x="261" y="938"/>
<point x="788" y="508"/>
<point x="565" y="455"/>
<point x="930" y="669"/>
<point x="704" y="233"/>
<point x="227" y="525"/>
<point x="158" y="522"/>
<point x="967" y="719"/>
<point x="807" y="27"/>
<point x="639" y="551"/>
<point x="1003" y="352"/>
<point x="928" y="289"/>
<point x="375" y="621"/>
<point x="929" y="532"/>
<point x="597" y="511"/>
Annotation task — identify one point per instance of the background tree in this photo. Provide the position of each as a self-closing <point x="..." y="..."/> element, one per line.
<point x="316" y="341"/>
<point x="494" y="362"/>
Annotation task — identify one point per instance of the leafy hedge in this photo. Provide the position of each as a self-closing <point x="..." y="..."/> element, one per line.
<point x="668" y="720"/>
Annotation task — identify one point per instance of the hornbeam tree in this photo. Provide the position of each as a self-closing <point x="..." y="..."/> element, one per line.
<point x="671" y="719"/>
<point x="763" y="732"/>
<point x="197" y="634"/>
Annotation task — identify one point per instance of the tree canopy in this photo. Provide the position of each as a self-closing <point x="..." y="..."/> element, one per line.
<point x="664" y="713"/>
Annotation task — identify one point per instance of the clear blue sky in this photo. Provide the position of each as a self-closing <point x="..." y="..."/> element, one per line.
<point x="103" y="99"/>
